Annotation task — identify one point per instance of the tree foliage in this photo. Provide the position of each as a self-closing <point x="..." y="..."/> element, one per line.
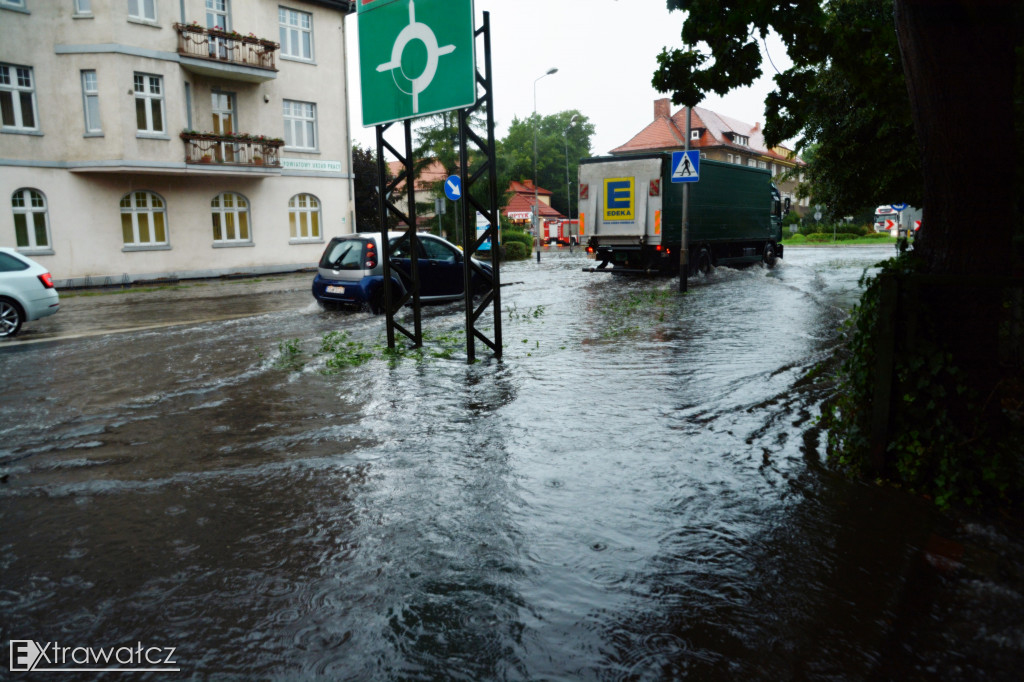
<point x="367" y="199"/>
<point x="562" y="140"/>
<point x="845" y="94"/>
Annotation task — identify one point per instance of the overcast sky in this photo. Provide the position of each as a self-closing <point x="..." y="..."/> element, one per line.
<point x="605" y="52"/>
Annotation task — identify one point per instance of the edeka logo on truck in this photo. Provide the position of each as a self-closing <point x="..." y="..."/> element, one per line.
<point x="618" y="200"/>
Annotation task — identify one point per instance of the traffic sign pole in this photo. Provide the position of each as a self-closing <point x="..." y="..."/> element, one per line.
<point x="684" y="251"/>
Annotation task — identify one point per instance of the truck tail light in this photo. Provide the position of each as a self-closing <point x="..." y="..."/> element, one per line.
<point x="47" y="280"/>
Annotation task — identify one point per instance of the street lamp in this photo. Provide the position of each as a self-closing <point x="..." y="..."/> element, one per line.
<point x="568" y="188"/>
<point x="536" y="209"/>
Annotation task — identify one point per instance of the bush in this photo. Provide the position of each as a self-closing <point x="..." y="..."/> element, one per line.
<point x="822" y="237"/>
<point x="516" y="250"/>
<point x="519" y="237"/>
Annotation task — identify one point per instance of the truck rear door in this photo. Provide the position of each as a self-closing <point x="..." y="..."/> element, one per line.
<point x="620" y="200"/>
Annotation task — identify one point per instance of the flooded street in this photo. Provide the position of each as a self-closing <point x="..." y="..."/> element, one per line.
<point x="635" y="491"/>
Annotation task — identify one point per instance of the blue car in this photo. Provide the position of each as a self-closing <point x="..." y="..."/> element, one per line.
<point x="351" y="273"/>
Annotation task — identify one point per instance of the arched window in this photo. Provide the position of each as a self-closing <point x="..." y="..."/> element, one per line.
<point x="230" y="219"/>
<point x="31" y="224"/>
<point x="304" y="218"/>
<point x="143" y="219"/>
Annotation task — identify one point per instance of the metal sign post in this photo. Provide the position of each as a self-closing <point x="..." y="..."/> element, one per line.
<point x="685" y="169"/>
<point x="438" y="74"/>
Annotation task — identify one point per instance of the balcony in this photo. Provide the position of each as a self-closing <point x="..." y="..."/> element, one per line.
<point x="226" y="54"/>
<point x="238" y="150"/>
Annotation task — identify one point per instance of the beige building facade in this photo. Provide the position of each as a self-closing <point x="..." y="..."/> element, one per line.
<point x="168" y="139"/>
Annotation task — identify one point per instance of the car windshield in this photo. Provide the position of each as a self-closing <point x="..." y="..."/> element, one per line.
<point x="346" y="254"/>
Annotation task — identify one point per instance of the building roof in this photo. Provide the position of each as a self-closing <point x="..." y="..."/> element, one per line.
<point x="432" y="173"/>
<point x="668" y="132"/>
<point x="526" y="187"/>
<point x="522" y="204"/>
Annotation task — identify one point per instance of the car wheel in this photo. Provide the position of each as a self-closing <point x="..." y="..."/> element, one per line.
<point x="769" y="255"/>
<point x="377" y="302"/>
<point x="11" y="317"/>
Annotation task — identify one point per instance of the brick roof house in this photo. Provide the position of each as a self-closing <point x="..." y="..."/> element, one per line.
<point x="719" y="138"/>
<point x="433" y="173"/>
<point x="519" y="208"/>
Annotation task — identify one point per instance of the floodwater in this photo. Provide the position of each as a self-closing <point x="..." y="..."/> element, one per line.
<point x="635" y="491"/>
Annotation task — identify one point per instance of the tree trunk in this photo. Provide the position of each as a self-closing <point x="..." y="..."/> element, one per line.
<point x="959" y="59"/>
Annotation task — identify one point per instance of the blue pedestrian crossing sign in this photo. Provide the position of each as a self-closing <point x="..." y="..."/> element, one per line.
<point x="453" y="187"/>
<point x="686" y="166"/>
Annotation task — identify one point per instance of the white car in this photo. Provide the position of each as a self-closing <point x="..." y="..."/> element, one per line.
<point x="26" y="292"/>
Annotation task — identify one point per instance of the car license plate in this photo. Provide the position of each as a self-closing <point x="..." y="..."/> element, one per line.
<point x="335" y="290"/>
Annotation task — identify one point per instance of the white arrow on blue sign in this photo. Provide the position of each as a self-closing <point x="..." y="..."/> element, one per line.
<point x="899" y="207"/>
<point x="453" y="187"/>
<point x="686" y="166"/>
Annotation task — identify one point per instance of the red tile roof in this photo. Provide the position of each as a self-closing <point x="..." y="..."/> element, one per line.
<point x="669" y="132"/>
<point x="526" y="187"/>
<point x="523" y="203"/>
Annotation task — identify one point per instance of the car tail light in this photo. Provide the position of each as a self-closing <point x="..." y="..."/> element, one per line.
<point x="590" y="249"/>
<point x="47" y="280"/>
<point x="371" y="256"/>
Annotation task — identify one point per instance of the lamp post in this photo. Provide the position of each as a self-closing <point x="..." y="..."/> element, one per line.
<point x="568" y="188"/>
<point x="536" y="208"/>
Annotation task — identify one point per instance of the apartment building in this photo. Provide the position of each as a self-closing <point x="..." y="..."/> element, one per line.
<point x="153" y="139"/>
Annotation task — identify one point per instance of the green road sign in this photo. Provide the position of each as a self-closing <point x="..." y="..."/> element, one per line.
<point x="415" y="58"/>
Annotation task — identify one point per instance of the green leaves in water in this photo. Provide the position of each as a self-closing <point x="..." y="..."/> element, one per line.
<point x="340" y="352"/>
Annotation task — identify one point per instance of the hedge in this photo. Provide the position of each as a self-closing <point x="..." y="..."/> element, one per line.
<point x="516" y="250"/>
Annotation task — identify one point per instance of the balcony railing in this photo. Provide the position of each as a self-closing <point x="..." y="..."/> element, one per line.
<point x="238" y="149"/>
<point x="226" y="46"/>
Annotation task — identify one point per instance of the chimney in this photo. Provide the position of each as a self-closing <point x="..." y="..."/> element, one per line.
<point x="757" y="126"/>
<point x="662" y="108"/>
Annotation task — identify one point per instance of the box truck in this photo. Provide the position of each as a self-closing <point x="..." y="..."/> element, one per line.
<point x="631" y="215"/>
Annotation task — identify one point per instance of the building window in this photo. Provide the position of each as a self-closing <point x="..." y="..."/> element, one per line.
<point x="143" y="219"/>
<point x="304" y="217"/>
<point x="143" y="10"/>
<point x="17" y="98"/>
<point x="695" y="134"/>
<point x="31" y="225"/>
<point x="299" y="125"/>
<point x="762" y="165"/>
<point x="752" y="163"/>
<point x="230" y="219"/>
<point x="13" y="4"/>
<point x="83" y="8"/>
<point x="149" y="104"/>
<point x="296" y="34"/>
<point x="91" y="102"/>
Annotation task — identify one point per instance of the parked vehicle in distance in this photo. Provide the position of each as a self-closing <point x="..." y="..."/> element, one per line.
<point x="351" y="271"/>
<point x="630" y="215"/>
<point x="898" y="223"/>
<point x="26" y="292"/>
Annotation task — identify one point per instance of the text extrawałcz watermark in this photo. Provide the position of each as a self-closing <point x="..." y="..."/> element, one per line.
<point x="30" y="656"/>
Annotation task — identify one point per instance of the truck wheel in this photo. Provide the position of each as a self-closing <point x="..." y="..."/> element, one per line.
<point x="703" y="262"/>
<point x="769" y="255"/>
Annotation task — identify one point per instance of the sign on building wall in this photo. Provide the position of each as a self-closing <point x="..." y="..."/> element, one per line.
<point x="416" y="58"/>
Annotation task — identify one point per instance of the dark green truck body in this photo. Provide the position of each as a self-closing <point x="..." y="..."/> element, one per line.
<point x="631" y="215"/>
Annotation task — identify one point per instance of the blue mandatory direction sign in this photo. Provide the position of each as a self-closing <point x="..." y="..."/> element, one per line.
<point x="453" y="187"/>
<point x="899" y="207"/>
<point x="686" y="166"/>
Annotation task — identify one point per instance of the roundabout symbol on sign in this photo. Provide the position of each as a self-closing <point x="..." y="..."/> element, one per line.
<point x="415" y="31"/>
